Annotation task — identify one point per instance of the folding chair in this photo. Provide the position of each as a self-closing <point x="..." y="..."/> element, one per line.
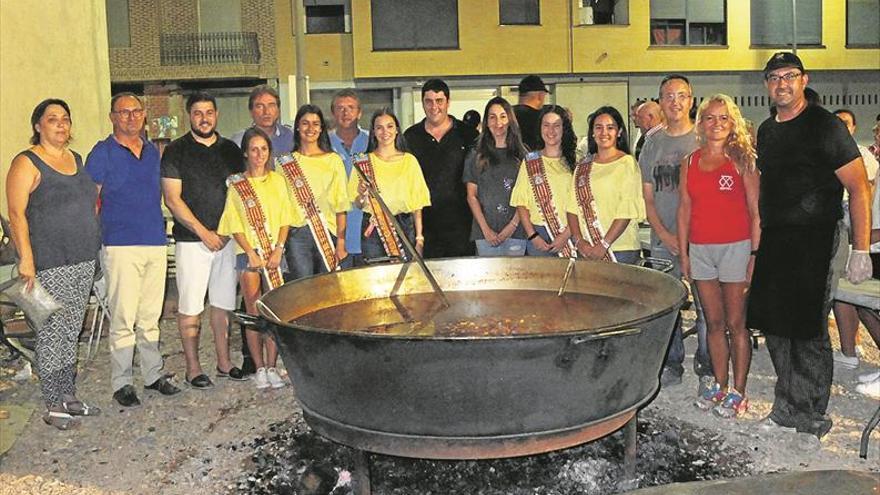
<point x="100" y="312"/>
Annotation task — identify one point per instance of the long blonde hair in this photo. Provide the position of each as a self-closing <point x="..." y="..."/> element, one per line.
<point x="740" y="145"/>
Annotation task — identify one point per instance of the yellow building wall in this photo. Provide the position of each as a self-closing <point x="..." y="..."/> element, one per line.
<point x="52" y="48"/>
<point x="484" y="46"/>
<point x="329" y="57"/>
<point x="555" y="47"/>
<point x="627" y="48"/>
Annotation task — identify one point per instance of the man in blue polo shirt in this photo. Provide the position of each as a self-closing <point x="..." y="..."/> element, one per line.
<point x="265" y="107"/>
<point x="125" y="167"/>
<point x="348" y="139"/>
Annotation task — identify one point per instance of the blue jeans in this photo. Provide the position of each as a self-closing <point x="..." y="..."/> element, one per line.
<point x="303" y="255"/>
<point x="510" y="247"/>
<point x="630" y="257"/>
<point x="675" y="354"/>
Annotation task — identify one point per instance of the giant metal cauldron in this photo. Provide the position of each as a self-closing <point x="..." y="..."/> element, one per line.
<point x="475" y="396"/>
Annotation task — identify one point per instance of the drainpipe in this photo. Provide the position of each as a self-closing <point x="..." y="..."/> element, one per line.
<point x="299" y="40"/>
<point x="794" y="26"/>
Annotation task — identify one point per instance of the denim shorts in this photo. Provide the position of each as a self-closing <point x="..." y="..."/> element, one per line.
<point x="726" y="262"/>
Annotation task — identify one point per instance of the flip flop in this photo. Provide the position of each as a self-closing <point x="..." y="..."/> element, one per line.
<point x="60" y="420"/>
<point x="80" y="408"/>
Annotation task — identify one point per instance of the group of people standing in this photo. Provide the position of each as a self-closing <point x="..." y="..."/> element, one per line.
<point x="274" y="204"/>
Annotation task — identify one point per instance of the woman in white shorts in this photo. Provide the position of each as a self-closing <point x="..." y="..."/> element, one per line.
<point x="718" y="233"/>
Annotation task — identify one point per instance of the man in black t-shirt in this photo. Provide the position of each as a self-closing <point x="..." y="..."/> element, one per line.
<point x="806" y="158"/>
<point x="441" y="142"/>
<point x="532" y="94"/>
<point x="194" y="171"/>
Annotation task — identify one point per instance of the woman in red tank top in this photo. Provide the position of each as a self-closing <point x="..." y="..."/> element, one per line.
<point x="718" y="233"/>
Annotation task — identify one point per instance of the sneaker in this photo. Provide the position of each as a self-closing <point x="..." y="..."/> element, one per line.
<point x="732" y="405"/>
<point x="275" y="379"/>
<point x="846" y="362"/>
<point x="711" y="396"/>
<point x="869" y="377"/>
<point x="702" y="368"/>
<point x="261" y="379"/>
<point x="704" y="383"/>
<point x="871" y="389"/>
<point x="817" y="427"/>
<point x="670" y="377"/>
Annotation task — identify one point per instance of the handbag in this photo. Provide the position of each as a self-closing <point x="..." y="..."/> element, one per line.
<point x="37" y="304"/>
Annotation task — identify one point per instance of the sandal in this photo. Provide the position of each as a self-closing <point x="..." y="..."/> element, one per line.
<point x="60" y="420"/>
<point x="80" y="408"/>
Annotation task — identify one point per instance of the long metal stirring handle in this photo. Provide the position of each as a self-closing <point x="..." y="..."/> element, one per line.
<point x="402" y="235"/>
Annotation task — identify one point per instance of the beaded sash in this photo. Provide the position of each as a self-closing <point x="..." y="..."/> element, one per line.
<point x="378" y="218"/>
<point x="587" y="204"/>
<point x="544" y="199"/>
<point x="305" y="198"/>
<point x="259" y="225"/>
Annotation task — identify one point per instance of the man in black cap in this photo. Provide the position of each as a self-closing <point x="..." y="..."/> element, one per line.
<point x="806" y="158"/>
<point x="532" y="93"/>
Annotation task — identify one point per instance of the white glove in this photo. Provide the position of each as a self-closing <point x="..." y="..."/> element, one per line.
<point x="858" y="268"/>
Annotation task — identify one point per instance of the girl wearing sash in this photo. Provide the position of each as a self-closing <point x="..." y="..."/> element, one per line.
<point x="398" y="177"/>
<point x="605" y="195"/>
<point x="541" y="191"/>
<point x="718" y="232"/>
<point x="258" y="215"/>
<point x="316" y="182"/>
<point x="490" y="171"/>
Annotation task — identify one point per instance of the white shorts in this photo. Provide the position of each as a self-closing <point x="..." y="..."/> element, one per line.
<point x="201" y="270"/>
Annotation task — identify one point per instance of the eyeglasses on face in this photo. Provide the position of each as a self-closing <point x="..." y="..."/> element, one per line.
<point x="137" y="112"/>
<point x="675" y="97"/>
<point x="787" y="77"/>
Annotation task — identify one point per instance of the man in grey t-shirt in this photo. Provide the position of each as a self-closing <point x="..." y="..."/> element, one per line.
<point x="660" y="163"/>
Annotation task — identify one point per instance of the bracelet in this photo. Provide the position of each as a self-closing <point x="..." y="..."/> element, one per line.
<point x="754" y="252"/>
<point x="859" y="251"/>
<point x="533" y="235"/>
<point x="605" y="244"/>
<point x="420" y="238"/>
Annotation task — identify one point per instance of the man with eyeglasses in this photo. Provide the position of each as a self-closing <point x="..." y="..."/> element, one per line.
<point x="660" y="162"/>
<point x="806" y="158"/>
<point x="125" y="167"/>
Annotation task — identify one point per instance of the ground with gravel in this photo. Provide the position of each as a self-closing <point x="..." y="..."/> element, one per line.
<point x="234" y="439"/>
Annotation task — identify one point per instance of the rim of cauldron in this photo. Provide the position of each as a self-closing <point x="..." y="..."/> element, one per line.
<point x="447" y="338"/>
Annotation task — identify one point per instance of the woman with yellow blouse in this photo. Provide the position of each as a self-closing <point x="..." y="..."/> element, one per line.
<point x="399" y="180"/>
<point x="615" y="182"/>
<point x="316" y="242"/>
<point x="263" y="196"/>
<point x="557" y="160"/>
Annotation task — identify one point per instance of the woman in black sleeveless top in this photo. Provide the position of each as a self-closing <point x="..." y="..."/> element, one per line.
<point x="54" y="226"/>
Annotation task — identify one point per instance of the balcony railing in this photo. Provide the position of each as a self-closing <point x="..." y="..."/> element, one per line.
<point x="210" y="48"/>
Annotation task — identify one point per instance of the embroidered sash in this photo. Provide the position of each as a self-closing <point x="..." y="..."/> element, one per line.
<point x="259" y="225"/>
<point x="306" y="200"/>
<point x="544" y="199"/>
<point x="587" y="203"/>
<point x="379" y="219"/>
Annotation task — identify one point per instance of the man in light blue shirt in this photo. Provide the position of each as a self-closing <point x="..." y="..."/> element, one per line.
<point x="348" y="139"/>
<point x="265" y="107"/>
